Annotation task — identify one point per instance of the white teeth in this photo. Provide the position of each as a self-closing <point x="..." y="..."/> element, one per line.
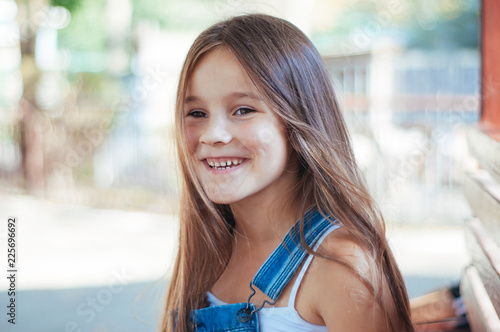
<point x="224" y="164"/>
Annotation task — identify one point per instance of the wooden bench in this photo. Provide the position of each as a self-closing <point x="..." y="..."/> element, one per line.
<point x="480" y="287"/>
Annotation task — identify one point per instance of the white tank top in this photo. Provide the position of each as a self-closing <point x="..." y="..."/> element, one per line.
<point x="284" y="319"/>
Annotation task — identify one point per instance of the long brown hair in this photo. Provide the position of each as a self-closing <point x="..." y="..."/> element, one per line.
<point x="290" y="75"/>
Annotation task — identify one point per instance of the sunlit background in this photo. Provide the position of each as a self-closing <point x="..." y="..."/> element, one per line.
<point x="86" y="156"/>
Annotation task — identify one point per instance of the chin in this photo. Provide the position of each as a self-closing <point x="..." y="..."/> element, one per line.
<point x="223" y="194"/>
<point x="217" y="198"/>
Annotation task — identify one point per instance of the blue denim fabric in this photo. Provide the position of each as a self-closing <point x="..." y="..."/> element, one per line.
<point x="271" y="279"/>
<point x="280" y="267"/>
<point x="225" y="318"/>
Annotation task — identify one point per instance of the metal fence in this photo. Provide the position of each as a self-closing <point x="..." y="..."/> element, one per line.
<point x="406" y="111"/>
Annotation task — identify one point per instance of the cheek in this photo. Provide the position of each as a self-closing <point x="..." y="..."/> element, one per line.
<point x="192" y="137"/>
<point x="267" y="142"/>
<point x="257" y="137"/>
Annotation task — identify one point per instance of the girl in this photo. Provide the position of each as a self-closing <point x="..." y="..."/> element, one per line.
<point x="278" y="231"/>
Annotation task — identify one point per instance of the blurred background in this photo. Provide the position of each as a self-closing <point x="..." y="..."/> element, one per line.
<point x="87" y="163"/>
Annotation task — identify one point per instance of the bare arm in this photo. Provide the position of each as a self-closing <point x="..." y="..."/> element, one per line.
<point x="337" y="295"/>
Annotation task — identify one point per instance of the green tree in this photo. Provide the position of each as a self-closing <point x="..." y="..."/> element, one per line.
<point x="33" y="13"/>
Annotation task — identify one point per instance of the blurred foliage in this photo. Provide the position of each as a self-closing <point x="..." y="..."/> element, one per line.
<point x="70" y="5"/>
<point x="444" y="24"/>
<point x="87" y="30"/>
<point x="436" y="24"/>
<point x="176" y="15"/>
<point x="98" y="86"/>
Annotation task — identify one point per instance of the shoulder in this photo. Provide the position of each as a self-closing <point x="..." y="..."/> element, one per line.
<point x="340" y="290"/>
<point x="342" y="246"/>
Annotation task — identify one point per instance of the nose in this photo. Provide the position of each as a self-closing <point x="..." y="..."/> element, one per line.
<point x="216" y="131"/>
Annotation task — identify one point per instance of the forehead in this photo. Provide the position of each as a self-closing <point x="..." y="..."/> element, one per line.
<point x="219" y="71"/>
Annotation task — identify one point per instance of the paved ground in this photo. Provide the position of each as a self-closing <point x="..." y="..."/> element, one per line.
<point x="83" y="269"/>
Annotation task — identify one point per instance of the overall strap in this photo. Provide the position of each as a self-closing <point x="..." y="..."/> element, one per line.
<point x="280" y="267"/>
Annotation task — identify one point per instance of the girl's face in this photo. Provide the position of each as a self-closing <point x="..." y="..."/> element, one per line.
<point x="238" y="144"/>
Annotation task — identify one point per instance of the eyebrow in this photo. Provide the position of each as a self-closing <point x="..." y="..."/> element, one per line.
<point x="236" y="94"/>
<point x="246" y="95"/>
<point x="191" y="99"/>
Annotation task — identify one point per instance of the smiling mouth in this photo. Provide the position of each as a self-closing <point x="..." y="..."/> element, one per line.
<point x="224" y="164"/>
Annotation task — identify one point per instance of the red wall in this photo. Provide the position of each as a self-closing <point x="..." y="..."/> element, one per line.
<point x="490" y="57"/>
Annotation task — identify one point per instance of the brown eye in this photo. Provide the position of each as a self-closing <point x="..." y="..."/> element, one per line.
<point x="244" y="111"/>
<point x="198" y="114"/>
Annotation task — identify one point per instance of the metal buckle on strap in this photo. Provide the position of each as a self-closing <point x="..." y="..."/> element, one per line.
<point x="245" y="314"/>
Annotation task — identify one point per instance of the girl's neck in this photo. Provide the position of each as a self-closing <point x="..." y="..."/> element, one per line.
<point x="263" y="221"/>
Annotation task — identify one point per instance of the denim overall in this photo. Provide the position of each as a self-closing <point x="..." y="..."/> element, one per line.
<point x="271" y="279"/>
